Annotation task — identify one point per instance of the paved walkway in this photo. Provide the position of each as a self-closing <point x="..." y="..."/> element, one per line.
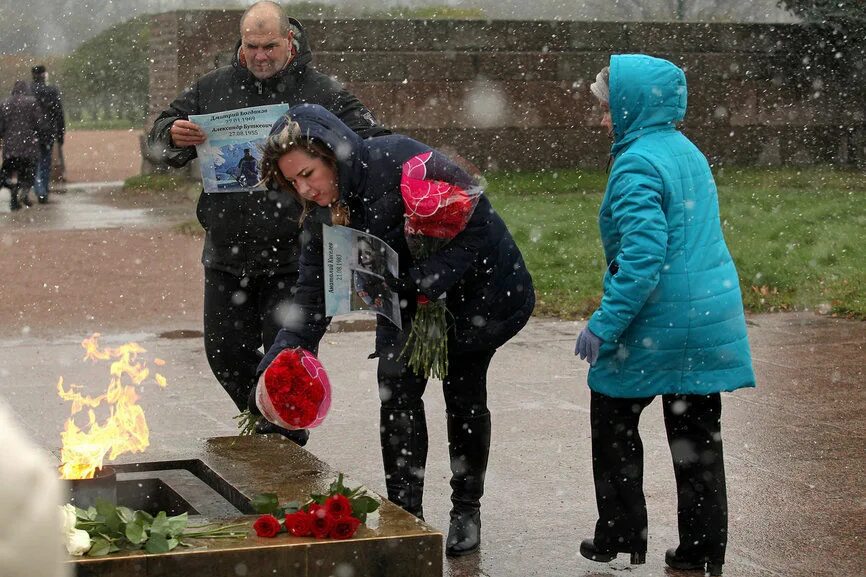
<point x="794" y="446"/>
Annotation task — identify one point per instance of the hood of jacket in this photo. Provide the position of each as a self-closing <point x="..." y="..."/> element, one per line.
<point x="19" y="88"/>
<point x="321" y="125"/>
<point x="647" y="94"/>
<point x="303" y="56"/>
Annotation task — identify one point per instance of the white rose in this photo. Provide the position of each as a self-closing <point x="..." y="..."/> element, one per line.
<point x="77" y="542"/>
<point x="69" y="519"/>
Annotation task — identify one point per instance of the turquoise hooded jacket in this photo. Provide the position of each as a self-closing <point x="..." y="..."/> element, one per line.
<point x="671" y="316"/>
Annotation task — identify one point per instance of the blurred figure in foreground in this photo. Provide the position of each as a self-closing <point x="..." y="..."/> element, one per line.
<point x="31" y="539"/>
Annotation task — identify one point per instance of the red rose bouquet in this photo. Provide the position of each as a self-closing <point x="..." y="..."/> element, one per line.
<point x="436" y="211"/>
<point x="294" y="392"/>
<point x="334" y="515"/>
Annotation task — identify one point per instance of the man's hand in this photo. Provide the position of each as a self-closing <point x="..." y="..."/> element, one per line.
<point x="186" y="133"/>
<point x="587" y="346"/>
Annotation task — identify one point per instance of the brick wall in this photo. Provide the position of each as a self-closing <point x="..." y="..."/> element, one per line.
<point x="510" y="94"/>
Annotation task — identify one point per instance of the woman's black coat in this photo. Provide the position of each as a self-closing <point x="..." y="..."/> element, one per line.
<point x="488" y="288"/>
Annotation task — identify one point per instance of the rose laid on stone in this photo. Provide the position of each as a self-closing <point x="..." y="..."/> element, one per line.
<point x="335" y="515"/>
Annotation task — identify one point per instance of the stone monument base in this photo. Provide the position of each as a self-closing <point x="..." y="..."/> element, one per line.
<point x="215" y="485"/>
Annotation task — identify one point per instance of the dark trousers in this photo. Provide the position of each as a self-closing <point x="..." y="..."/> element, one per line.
<point x="23" y="169"/>
<point x="242" y="314"/>
<point x="43" y="170"/>
<point x="693" y="424"/>
<point x="465" y="387"/>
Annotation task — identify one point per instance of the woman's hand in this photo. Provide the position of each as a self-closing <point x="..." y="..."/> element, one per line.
<point x="404" y="284"/>
<point x="252" y="405"/>
<point x="587" y="346"/>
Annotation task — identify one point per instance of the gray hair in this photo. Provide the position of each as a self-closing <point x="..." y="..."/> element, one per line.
<point x="601" y="87"/>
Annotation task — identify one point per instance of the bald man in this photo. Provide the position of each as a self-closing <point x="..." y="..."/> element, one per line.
<point x="252" y="238"/>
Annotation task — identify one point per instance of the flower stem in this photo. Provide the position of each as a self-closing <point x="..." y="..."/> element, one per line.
<point x="247" y="422"/>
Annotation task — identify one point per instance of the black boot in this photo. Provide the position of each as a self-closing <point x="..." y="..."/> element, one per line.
<point x="469" y="447"/>
<point x="403" y="434"/>
<point x="13" y="197"/>
<point x="592" y="552"/>
<point x="684" y="563"/>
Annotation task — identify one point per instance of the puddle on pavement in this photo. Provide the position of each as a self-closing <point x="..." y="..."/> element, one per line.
<point x="88" y="207"/>
<point x="181" y="334"/>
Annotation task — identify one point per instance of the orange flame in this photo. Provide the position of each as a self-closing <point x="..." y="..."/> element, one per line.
<point x="125" y="429"/>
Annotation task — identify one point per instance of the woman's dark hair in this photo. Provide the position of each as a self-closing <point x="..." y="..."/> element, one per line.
<point x="292" y="138"/>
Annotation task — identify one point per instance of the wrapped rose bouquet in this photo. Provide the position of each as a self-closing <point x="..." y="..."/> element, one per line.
<point x="436" y="211"/>
<point x="294" y="392"/>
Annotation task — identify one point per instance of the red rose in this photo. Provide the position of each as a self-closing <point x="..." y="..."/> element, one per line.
<point x="267" y="526"/>
<point x="296" y="389"/>
<point x="344" y="528"/>
<point x="299" y="524"/>
<point x="284" y="372"/>
<point x="322" y="521"/>
<point x="423" y="300"/>
<point x="434" y="208"/>
<point x="316" y="394"/>
<point x="301" y="413"/>
<point x="338" y="506"/>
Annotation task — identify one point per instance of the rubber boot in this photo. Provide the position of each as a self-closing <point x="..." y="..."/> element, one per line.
<point x="469" y="447"/>
<point x="403" y="435"/>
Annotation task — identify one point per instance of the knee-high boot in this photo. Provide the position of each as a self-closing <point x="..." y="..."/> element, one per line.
<point x="403" y="434"/>
<point x="469" y="447"/>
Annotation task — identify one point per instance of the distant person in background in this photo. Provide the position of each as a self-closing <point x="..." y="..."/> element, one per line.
<point x="31" y="536"/>
<point x="19" y="131"/>
<point x="53" y="128"/>
<point x="248" y="170"/>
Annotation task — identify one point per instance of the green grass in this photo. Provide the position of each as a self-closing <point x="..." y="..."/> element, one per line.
<point x="156" y="183"/>
<point x="105" y="124"/>
<point x="798" y="237"/>
<point x="191" y="227"/>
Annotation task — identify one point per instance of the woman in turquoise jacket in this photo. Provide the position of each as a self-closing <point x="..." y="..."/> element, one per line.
<point x="670" y="322"/>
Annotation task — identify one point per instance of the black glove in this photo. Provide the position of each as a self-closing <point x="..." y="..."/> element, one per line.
<point x="251" y="403"/>
<point x="402" y="285"/>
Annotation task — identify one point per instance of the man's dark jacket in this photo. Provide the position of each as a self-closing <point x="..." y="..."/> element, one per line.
<point x="481" y="271"/>
<point x="53" y="123"/>
<point x="254" y="233"/>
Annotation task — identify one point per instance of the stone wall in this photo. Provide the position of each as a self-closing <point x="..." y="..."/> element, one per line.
<point x="509" y="94"/>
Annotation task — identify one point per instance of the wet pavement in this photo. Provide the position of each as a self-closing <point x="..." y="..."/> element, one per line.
<point x="85" y="206"/>
<point x="794" y="445"/>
